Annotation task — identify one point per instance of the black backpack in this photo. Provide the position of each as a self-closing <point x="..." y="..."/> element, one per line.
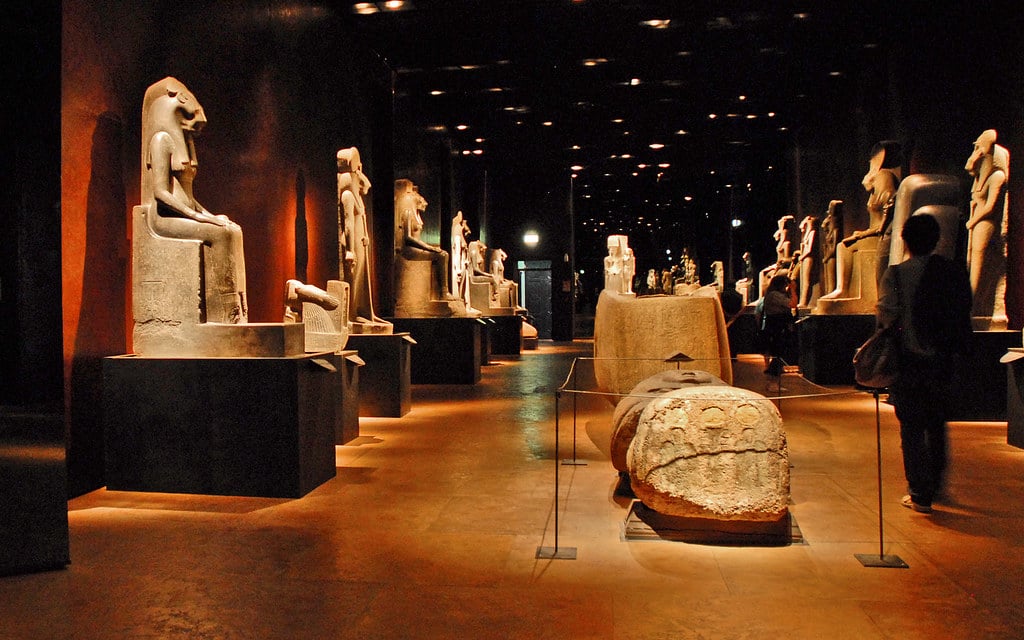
<point x="941" y="309"/>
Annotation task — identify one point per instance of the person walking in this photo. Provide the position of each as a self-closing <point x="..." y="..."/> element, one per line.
<point x="929" y="298"/>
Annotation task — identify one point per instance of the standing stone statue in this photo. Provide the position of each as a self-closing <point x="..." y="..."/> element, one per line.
<point x="460" y="259"/>
<point x="354" y="243"/>
<point x="986" y="252"/>
<point x="613" y="265"/>
<point x="831" y="232"/>
<point x="171" y="117"/>
<point x="810" y="260"/>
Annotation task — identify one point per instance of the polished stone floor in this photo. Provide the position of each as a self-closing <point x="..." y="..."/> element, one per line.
<point x="431" y="528"/>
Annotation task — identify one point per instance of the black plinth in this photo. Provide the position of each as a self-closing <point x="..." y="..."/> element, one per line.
<point x="1015" y="403"/>
<point x="447" y="350"/>
<point x="827" y="345"/>
<point x="979" y="391"/>
<point x="506" y="335"/>
<point x="346" y="427"/>
<point x="225" y="426"/>
<point x="33" y="491"/>
<point x="743" y="333"/>
<point x="385" y="380"/>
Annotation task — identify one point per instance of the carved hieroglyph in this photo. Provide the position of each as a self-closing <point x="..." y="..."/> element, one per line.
<point x="711" y="452"/>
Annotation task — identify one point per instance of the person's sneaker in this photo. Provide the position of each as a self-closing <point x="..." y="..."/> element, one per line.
<point x="909" y="503"/>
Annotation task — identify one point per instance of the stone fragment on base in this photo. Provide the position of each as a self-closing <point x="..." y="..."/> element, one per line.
<point x="711" y="452"/>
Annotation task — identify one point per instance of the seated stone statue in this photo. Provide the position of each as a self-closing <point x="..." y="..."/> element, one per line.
<point x="354" y="243"/>
<point x="188" y="265"/>
<point x="989" y="165"/>
<point x="421" y="268"/>
<point x="628" y="266"/>
<point x="508" y="291"/>
<point x="171" y="117"/>
<point x="787" y="238"/>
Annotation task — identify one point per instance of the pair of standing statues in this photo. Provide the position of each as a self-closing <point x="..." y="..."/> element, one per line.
<point x="852" y="279"/>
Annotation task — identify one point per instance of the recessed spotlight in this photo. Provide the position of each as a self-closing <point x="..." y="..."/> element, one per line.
<point x="462" y="127"/>
<point x="593" y="62"/>
<point x="712" y="116"/>
<point x="656" y="145"/>
<point x="656" y="23"/>
<point x="547" y="123"/>
<point x="365" y="8"/>
<point x="437" y="92"/>
<point x="635" y="82"/>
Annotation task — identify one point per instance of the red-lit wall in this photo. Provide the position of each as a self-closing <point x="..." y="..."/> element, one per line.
<point x="282" y="91"/>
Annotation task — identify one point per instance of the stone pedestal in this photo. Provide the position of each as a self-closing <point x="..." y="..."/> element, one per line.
<point x="33" y="491"/>
<point x="446" y="350"/>
<point x="346" y="428"/>
<point x="385" y="386"/>
<point x="827" y="345"/>
<point x="226" y="426"/>
<point x="978" y="379"/>
<point x="634" y="336"/>
<point x="506" y="335"/>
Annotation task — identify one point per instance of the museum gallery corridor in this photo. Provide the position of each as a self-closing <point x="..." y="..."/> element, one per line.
<point x="431" y="526"/>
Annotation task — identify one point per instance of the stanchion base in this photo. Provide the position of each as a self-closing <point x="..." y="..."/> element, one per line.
<point x="887" y="561"/>
<point x="556" y="553"/>
<point x="573" y="462"/>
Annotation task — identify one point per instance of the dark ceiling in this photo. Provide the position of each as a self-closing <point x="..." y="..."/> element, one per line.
<point x="675" y="117"/>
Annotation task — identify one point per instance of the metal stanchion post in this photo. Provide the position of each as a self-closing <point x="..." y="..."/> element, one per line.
<point x="881" y="560"/>
<point x="554" y="553"/>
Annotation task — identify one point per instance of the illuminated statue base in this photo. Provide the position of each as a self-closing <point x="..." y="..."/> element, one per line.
<point x="225" y="426"/>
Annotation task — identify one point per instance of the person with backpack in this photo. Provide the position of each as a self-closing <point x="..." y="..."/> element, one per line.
<point x="929" y="298"/>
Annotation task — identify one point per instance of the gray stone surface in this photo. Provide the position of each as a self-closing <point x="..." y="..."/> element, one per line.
<point x="628" y="411"/>
<point x="711" y="452"/>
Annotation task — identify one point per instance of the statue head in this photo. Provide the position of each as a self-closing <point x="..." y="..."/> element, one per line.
<point x="983" y="149"/>
<point x="835" y="209"/>
<point x="169" y="107"/>
<point x="887" y="154"/>
<point x="350" y="163"/>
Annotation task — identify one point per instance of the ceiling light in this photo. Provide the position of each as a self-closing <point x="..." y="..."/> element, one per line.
<point x="479" y="140"/>
<point x="665" y="165"/>
<point x="365" y="8"/>
<point x="462" y="127"/>
<point x="656" y="23"/>
<point x="593" y="62"/>
<point x="771" y="114"/>
<point x="742" y="98"/>
<point x="656" y="145"/>
<point x="478" y="152"/>
<point x="712" y="116"/>
<point x="437" y="92"/>
<point x="634" y="82"/>
<point x="531" y="238"/>
<point x="682" y="132"/>
<point x="576" y="167"/>
<point x="641" y="166"/>
<point x="751" y="116"/>
<point x="618" y="120"/>
<point x="835" y="74"/>
<point x="626" y="156"/>
<point x="394" y="5"/>
<point x="801" y="16"/>
<point x="547" y="123"/>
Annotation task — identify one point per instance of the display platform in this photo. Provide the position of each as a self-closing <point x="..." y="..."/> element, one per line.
<point x="446" y="350"/>
<point x="223" y="426"/>
<point x="827" y="345"/>
<point x="743" y="332"/>
<point x="978" y="378"/>
<point x="1015" y="397"/>
<point x="506" y="335"/>
<point x="346" y="428"/>
<point x="33" y="491"/>
<point x="385" y="379"/>
<point x="643" y="523"/>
